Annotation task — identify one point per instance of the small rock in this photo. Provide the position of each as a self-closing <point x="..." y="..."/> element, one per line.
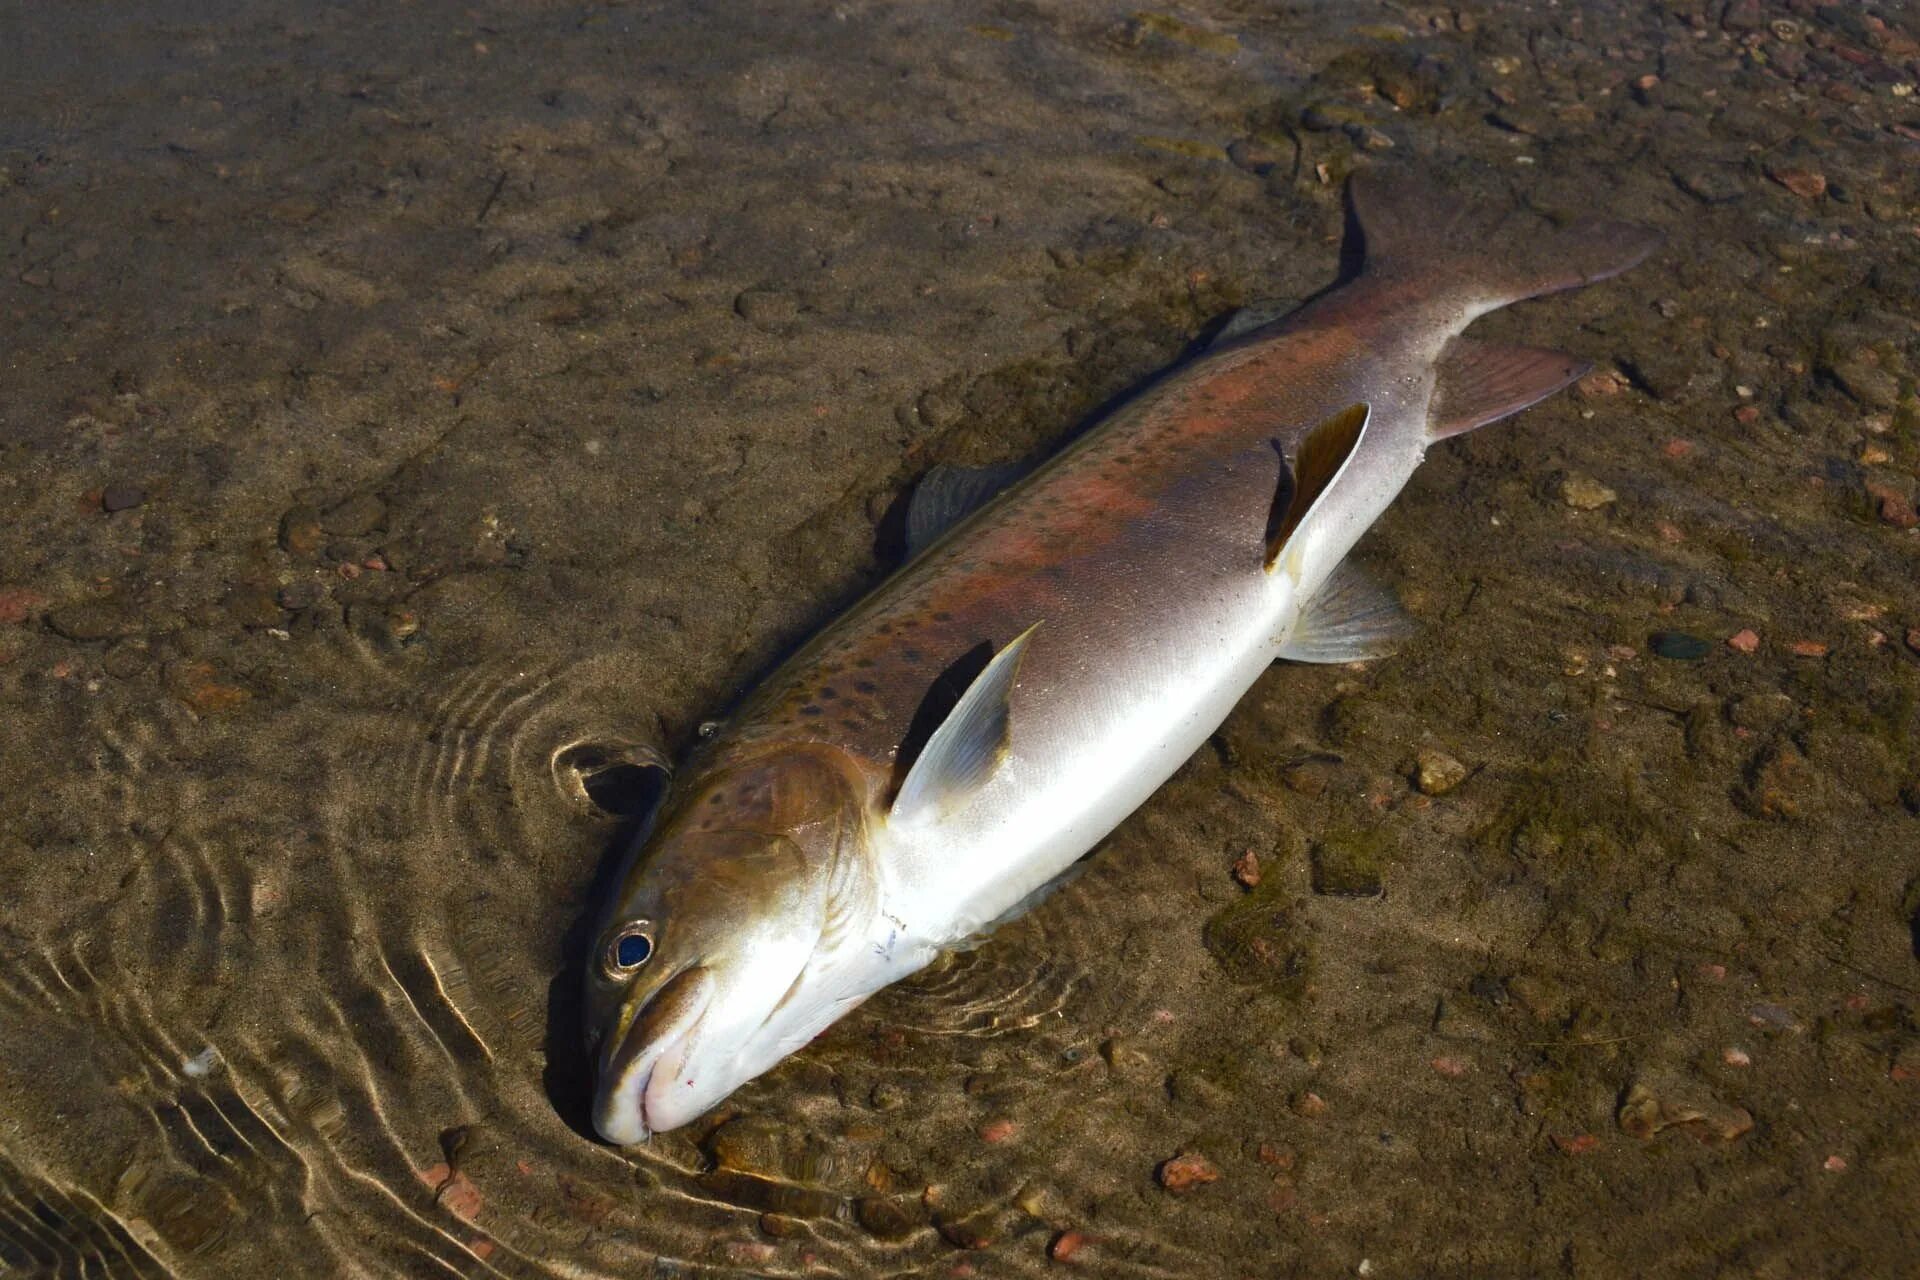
<point x="121" y="497"/>
<point x="1066" y="1245"/>
<point x="356" y="516"/>
<point x="87" y="620"/>
<point x="885" y="1217"/>
<point x="887" y="1097"/>
<point x="1808" y="184"/>
<point x="1708" y="181"/>
<point x="1745" y="641"/>
<point x="125" y="660"/>
<point x="1255" y="155"/>
<point x="1246" y="869"/>
<point x="1186" y="1171"/>
<point x="1601" y="382"/>
<point x="1308" y="779"/>
<point x="1894" y="506"/>
<point x="1652" y="1108"/>
<point x="300" y="531"/>
<point x="998" y="1130"/>
<point x="1584" y="493"/>
<point x="1835" y="1164"/>
<point x="782" y="1227"/>
<point x="199" y="686"/>
<point x="17" y="604"/>
<point x="1450" y="1067"/>
<point x="1808" y="649"/>
<point x="972" y="1231"/>
<point x="300" y="595"/>
<point x="767" y="308"/>
<point x="1734" y="1056"/>
<point x="1436" y="773"/>
<point x="1913" y="639"/>
<point x="1782" y="784"/>
<point x="1307" y="1104"/>
<point x="1346" y="867"/>
<point x="1576" y="1144"/>
<point x="1677" y="646"/>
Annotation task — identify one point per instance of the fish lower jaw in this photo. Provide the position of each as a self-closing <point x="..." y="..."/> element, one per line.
<point x="620" y="1117"/>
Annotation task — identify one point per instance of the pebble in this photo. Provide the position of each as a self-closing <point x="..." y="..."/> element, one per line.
<point x="1436" y="773"/>
<point x="885" y="1217"/>
<point x="1246" y="869"/>
<point x="1835" y="1164"/>
<point x="125" y="660"/>
<point x="1343" y="868"/>
<point x="1584" y="493"/>
<point x="971" y="1231"/>
<point x="1307" y="1104"/>
<point x="1895" y="507"/>
<point x="1746" y="641"/>
<point x="1650" y="1109"/>
<point x="1066" y="1245"/>
<point x="121" y="497"/>
<point x="1913" y="639"/>
<point x="1450" y="1067"/>
<point x="1185" y="1171"/>
<point x="87" y="620"/>
<point x="1576" y="1144"/>
<point x="17" y="604"/>
<point x="1808" y="649"/>
<point x="1734" y="1056"/>
<point x="1808" y="184"/>
<point x="300" y="531"/>
<point x="998" y="1130"/>
<point x="766" y="308"/>
<point x="1677" y="646"/>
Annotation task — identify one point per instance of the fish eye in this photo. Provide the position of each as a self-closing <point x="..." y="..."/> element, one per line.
<point x="630" y="948"/>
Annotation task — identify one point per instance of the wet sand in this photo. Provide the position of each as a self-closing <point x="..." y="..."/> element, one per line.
<point x="409" y="409"/>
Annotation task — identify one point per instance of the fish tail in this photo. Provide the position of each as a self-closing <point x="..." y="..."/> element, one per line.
<point x="1456" y="250"/>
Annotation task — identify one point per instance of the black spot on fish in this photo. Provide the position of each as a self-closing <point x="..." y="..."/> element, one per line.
<point x="865" y="686"/>
<point x="943" y="616"/>
<point x="911" y="655"/>
<point x="828" y="693"/>
<point x="811" y="709"/>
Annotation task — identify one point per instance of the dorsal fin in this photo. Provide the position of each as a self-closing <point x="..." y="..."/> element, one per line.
<point x="969" y="744"/>
<point x="946" y="495"/>
<point x="1255" y="315"/>
<point x="1483" y="382"/>
<point x="1323" y="451"/>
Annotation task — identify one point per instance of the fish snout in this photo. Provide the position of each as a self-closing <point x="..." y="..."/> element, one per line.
<point x="657" y="1036"/>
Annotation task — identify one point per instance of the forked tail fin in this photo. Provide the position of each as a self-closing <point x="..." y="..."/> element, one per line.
<point x="1413" y="229"/>
<point x="1428" y="243"/>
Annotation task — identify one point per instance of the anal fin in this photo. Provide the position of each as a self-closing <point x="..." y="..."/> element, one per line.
<point x="1350" y="619"/>
<point x="1483" y="382"/>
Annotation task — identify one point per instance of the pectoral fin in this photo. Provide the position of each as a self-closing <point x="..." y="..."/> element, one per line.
<point x="1322" y="452"/>
<point x="1483" y="382"/>
<point x="969" y="744"/>
<point x="1350" y="619"/>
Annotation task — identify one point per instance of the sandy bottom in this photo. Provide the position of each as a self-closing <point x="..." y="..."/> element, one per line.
<point x="409" y="409"/>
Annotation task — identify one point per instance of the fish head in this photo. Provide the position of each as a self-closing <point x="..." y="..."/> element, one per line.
<point x="720" y="917"/>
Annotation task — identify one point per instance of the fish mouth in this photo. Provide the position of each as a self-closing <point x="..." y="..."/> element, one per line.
<point x="660" y="1034"/>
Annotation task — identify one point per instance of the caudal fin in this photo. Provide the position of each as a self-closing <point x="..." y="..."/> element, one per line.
<point x="1487" y="261"/>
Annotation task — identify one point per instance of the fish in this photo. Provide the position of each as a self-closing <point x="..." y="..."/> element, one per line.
<point x="1062" y="639"/>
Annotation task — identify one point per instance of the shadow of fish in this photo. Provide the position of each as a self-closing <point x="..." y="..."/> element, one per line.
<point x="938" y="758"/>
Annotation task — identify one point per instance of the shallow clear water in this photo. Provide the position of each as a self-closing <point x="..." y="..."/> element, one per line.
<point x="482" y="391"/>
